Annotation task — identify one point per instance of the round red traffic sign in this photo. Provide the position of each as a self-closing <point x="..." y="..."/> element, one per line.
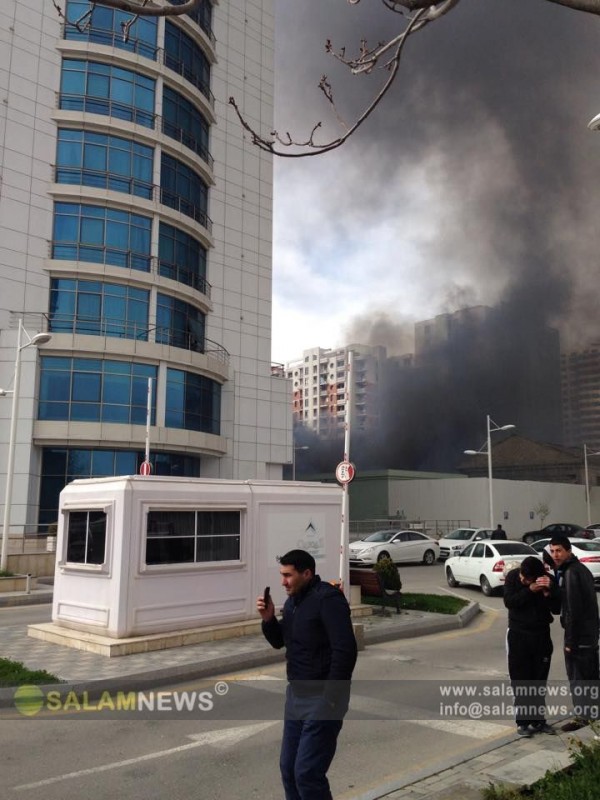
<point x="145" y="468"/>
<point x="345" y="472"/>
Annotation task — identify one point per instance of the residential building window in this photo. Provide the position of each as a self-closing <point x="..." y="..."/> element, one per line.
<point x="179" y="324"/>
<point x="109" y="90"/>
<point x="182" y="121"/>
<point x="193" y="402"/>
<point x="63" y="465"/>
<point x="183" y="537"/>
<point x="102" y="25"/>
<point x="182" y="258"/>
<point x="98" y="309"/>
<point x="106" y="162"/>
<point x="86" y="537"/>
<point x="101" y="235"/>
<point x="95" y="390"/>
<point x="185" y="57"/>
<point x="183" y="189"/>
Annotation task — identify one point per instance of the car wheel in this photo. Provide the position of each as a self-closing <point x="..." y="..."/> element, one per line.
<point x="429" y="557"/>
<point x="485" y="586"/>
<point x="383" y="555"/>
<point x="452" y="582"/>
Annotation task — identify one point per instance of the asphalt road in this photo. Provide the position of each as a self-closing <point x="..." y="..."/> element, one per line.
<point x="231" y="753"/>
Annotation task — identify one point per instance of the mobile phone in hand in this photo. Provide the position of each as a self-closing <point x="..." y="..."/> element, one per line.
<point x="267" y="596"/>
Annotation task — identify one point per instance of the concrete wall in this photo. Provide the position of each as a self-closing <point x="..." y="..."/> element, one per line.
<point x="457" y="498"/>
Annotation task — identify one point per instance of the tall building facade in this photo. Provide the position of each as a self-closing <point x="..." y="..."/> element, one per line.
<point x="320" y="387"/>
<point x="580" y="373"/>
<point x="135" y="227"/>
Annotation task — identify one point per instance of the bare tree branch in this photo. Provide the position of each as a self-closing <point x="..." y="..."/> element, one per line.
<point x="142" y="8"/>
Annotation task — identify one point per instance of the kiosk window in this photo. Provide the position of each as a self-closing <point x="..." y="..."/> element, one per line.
<point x="86" y="537"/>
<point x="177" y="537"/>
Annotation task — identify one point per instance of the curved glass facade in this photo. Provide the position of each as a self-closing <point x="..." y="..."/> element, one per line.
<point x="202" y="15"/>
<point x="185" y="57"/>
<point x="98" y="88"/>
<point x="101" y="25"/>
<point x="179" y="324"/>
<point x="60" y="465"/>
<point x="183" y="189"/>
<point x="193" y="402"/>
<point x="182" y="121"/>
<point x="98" y="309"/>
<point x="95" y="390"/>
<point x="182" y="258"/>
<point x="101" y="235"/>
<point x="103" y="161"/>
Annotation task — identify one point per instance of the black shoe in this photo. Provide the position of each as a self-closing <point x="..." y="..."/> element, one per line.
<point x="523" y="730"/>
<point x="543" y="727"/>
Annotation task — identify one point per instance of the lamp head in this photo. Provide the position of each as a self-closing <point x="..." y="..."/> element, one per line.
<point x="508" y="427"/>
<point x="41" y="338"/>
<point x="472" y="453"/>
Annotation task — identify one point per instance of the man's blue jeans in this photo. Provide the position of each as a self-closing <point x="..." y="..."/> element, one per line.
<point x="308" y="748"/>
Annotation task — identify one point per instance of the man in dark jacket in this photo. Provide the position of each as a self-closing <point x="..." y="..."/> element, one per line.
<point x="499" y="533"/>
<point x="321" y="653"/>
<point x="531" y="596"/>
<point x="579" y="618"/>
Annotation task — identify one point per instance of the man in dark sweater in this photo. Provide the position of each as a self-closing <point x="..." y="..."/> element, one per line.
<point x="321" y="653"/>
<point x="531" y="597"/>
<point x="579" y="618"/>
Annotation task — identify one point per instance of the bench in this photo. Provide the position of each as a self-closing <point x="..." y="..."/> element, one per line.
<point x="371" y="585"/>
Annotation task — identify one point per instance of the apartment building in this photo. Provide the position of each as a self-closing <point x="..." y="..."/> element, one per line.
<point x="135" y="228"/>
<point x="580" y="382"/>
<point x="320" y="387"/>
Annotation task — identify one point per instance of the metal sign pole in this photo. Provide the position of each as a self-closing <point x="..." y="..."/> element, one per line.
<point x="344" y="535"/>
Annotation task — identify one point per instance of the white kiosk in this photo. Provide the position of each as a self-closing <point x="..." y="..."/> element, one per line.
<point x="144" y="555"/>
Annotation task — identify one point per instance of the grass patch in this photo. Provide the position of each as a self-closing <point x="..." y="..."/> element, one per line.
<point x="436" y="603"/>
<point x="13" y="673"/>
<point x="579" y="781"/>
<point x="6" y="573"/>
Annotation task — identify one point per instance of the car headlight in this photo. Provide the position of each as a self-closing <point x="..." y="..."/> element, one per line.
<point x="366" y="550"/>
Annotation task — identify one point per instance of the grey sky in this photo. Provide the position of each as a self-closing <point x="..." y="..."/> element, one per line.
<point x="476" y="180"/>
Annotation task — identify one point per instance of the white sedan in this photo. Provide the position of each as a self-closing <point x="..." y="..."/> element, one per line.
<point x="586" y="550"/>
<point x="485" y="564"/>
<point x="400" y="546"/>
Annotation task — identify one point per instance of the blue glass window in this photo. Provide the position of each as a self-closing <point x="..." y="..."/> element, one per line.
<point x="108" y="90"/>
<point x="101" y="235"/>
<point x="107" y="162"/>
<point x="183" y="189"/>
<point x="95" y="390"/>
<point x="183" y="121"/>
<point x="202" y="15"/>
<point x="105" y="26"/>
<point x="182" y="258"/>
<point x="179" y="324"/>
<point x="98" y="309"/>
<point x="193" y="402"/>
<point x="186" y="58"/>
<point x="61" y="465"/>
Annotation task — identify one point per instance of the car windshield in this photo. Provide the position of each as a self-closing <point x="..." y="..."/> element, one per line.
<point x="513" y="549"/>
<point x="379" y="536"/>
<point x="462" y="534"/>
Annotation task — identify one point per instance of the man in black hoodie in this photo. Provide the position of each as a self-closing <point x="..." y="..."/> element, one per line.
<point x="579" y="618"/>
<point x="531" y="596"/>
<point x="321" y="653"/>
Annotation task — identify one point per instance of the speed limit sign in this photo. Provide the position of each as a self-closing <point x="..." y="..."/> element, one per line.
<point x="344" y="472"/>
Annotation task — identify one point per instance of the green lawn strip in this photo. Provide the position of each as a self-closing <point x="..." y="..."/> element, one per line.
<point x="439" y="604"/>
<point x="13" y="673"/>
<point x="578" y="781"/>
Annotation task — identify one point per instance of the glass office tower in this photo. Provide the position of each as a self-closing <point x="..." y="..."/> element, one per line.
<point x="135" y="227"/>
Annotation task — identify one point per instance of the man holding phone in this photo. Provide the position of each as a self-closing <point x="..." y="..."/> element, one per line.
<point x="321" y="653"/>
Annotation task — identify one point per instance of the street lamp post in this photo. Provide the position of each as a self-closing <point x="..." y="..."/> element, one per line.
<point x="300" y="447"/>
<point x="587" y="481"/>
<point x="39" y="338"/>
<point x="491" y="428"/>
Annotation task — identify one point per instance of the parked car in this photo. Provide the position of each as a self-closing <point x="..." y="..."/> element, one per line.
<point x="594" y="528"/>
<point x="400" y="546"/>
<point x="587" y="551"/>
<point x="563" y="528"/>
<point x="485" y="564"/>
<point x="455" y="542"/>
